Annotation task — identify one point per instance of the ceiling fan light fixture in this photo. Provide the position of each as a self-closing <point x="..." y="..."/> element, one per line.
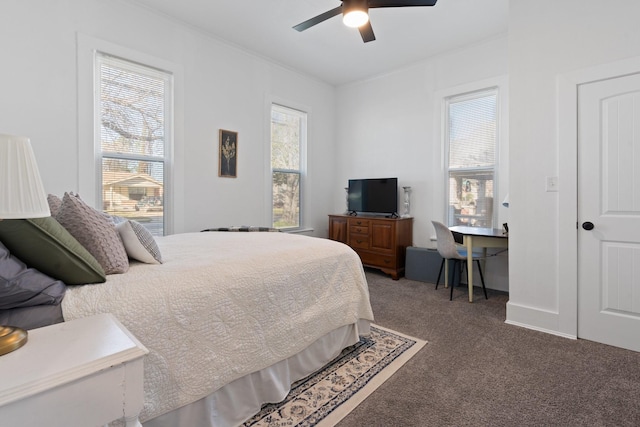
<point x="354" y="13"/>
<point x="355" y="19"/>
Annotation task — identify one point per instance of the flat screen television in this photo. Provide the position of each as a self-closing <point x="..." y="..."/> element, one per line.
<point x="373" y="196"/>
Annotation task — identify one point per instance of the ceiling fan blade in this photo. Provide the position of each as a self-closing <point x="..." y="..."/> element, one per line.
<point x="367" y="32"/>
<point x="318" y="19"/>
<point x="400" y="3"/>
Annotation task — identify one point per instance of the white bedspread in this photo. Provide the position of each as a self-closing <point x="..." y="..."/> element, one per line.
<point x="226" y="304"/>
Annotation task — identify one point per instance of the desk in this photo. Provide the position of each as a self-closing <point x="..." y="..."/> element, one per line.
<point x="478" y="237"/>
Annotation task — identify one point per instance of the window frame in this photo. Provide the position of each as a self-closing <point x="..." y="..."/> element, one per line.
<point x="500" y="84"/>
<point x="101" y="58"/>
<point x="493" y="170"/>
<point x="89" y="184"/>
<point x="302" y="171"/>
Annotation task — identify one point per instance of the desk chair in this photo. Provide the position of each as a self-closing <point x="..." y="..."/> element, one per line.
<point x="449" y="251"/>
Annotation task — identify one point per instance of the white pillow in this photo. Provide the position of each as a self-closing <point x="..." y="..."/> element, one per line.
<point x="139" y="242"/>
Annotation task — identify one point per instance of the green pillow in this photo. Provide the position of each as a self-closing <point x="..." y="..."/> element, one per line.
<point x="44" y="244"/>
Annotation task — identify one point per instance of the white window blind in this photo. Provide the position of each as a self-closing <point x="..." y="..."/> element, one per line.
<point x="472" y="132"/>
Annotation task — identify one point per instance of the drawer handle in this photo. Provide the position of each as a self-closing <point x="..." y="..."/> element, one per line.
<point x="387" y="261"/>
<point x="359" y="222"/>
<point x="359" y="241"/>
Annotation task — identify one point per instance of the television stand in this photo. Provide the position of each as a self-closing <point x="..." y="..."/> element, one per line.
<point x="379" y="241"/>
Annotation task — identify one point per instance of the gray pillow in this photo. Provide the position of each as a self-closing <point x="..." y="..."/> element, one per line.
<point x="54" y="204"/>
<point x="44" y="244"/>
<point x="21" y="286"/>
<point x="95" y="232"/>
<point x="37" y="316"/>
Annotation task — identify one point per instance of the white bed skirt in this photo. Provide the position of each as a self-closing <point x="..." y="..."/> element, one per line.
<point x="236" y="402"/>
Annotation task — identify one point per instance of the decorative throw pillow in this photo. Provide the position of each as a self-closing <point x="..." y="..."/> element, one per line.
<point x="21" y="286"/>
<point x="95" y="232"/>
<point x="34" y="317"/>
<point x="139" y="242"/>
<point x="54" y="204"/>
<point x="44" y="244"/>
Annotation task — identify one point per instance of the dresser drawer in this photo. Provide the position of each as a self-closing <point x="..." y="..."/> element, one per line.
<point x="359" y="241"/>
<point x="384" y="261"/>
<point x="359" y="222"/>
<point x="359" y="229"/>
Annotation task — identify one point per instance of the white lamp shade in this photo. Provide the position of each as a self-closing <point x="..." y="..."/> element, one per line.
<point x="22" y="194"/>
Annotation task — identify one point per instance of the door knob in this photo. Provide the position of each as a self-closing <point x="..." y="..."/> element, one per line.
<point x="587" y="225"/>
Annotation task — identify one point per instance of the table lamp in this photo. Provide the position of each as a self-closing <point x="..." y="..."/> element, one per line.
<point x="22" y="196"/>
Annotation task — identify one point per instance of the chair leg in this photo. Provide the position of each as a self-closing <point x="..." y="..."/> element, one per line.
<point x="440" y="273"/>
<point x="453" y="279"/>
<point x="482" y="280"/>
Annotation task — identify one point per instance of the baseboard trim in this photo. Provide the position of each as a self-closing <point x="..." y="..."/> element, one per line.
<point x="547" y="331"/>
<point x="536" y="319"/>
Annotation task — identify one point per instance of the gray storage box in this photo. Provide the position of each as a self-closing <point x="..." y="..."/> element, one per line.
<point x="423" y="264"/>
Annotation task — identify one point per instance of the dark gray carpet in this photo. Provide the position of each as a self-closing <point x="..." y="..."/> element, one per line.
<point x="478" y="371"/>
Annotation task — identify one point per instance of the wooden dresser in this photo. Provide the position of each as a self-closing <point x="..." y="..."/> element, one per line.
<point x="380" y="242"/>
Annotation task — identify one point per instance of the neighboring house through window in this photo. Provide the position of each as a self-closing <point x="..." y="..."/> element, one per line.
<point x="471" y="140"/>
<point x="288" y="140"/>
<point x="134" y="110"/>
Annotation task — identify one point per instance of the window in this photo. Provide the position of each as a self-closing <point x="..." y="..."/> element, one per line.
<point x="288" y="138"/>
<point x="133" y="108"/>
<point x="471" y="141"/>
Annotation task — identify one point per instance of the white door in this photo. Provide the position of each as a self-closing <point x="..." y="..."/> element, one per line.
<point x="609" y="199"/>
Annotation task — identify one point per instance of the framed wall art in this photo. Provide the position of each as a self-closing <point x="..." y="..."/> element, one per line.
<point x="228" y="154"/>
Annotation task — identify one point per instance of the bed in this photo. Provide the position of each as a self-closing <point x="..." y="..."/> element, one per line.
<point x="231" y="320"/>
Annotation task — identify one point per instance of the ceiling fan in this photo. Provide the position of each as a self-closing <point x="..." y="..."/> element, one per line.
<point x="355" y="13"/>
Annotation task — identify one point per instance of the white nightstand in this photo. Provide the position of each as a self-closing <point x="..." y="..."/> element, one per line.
<point x="84" y="373"/>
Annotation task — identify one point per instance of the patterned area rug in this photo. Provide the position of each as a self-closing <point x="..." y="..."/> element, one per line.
<point x="327" y="396"/>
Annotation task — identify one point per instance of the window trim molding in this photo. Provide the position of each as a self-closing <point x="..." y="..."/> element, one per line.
<point x="500" y="83"/>
<point x="89" y="154"/>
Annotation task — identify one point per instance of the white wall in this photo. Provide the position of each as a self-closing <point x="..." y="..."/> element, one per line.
<point x="547" y="40"/>
<point x="390" y="126"/>
<point x="386" y="126"/>
<point x="224" y="87"/>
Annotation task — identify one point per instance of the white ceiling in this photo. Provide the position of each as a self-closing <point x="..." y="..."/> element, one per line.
<point x="330" y="51"/>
